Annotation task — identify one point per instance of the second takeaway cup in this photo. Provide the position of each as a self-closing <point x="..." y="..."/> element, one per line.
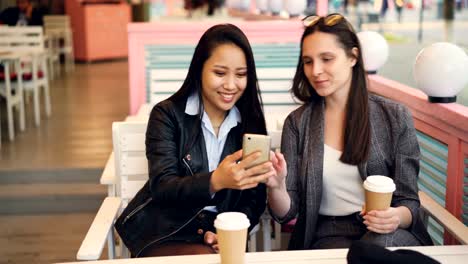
<point x="231" y="228"/>
<point x="378" y="192"/>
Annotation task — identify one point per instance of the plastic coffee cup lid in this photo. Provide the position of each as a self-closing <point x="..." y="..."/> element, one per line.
<point x="231" y="221"/>
<point x="380" y="184"/>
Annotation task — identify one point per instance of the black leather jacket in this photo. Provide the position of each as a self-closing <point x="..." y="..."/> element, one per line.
<point x="179" y="180"/>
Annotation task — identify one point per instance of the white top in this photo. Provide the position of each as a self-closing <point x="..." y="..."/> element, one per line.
<point x="214" y="145"/>
<point x="342" y="191"/>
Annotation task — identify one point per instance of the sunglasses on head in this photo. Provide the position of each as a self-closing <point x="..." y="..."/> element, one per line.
<point x="329" y="20"/>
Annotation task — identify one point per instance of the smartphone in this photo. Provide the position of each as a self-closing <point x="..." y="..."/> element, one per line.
<point x="254" y="142"/>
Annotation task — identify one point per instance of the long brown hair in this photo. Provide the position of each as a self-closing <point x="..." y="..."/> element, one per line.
<point x="357" y="126"/>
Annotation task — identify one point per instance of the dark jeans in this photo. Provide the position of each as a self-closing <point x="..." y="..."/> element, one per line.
<point x="341" y="231"/>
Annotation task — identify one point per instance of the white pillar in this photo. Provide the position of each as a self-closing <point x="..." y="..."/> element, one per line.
<point x="295" y="7"/>
<point x="262" y="6"/>
<point x="275" y="6"/>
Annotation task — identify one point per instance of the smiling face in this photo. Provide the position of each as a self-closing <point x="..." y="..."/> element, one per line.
<point x="224" y="79"/>
<point x="326" y="65"/>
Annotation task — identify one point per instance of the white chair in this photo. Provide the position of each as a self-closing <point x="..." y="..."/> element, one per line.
<point x="52" y="46"/>
<point x="13" y="98"/>
<point x="131" y="173"/>
<point x="108" y="176"/>
<point x="39" y="80"/>
<point x="59" y="26"/>
<point x="29" y="41"/>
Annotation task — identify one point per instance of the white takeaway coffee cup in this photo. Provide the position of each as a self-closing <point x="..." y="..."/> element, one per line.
<point x="231" y="228"/>
<point x="378" y="192"/>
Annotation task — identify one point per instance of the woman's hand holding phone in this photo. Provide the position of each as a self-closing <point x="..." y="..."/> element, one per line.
<point x="231" y="174"/>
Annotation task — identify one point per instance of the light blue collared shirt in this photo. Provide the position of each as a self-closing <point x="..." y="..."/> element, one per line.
<point x="214" y="145"/>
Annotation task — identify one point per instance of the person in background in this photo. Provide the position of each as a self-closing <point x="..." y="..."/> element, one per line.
<point x="23" y="14"/>
<point x="213" y="6"/>
<point x="399" y="5"/>
<point x="202" y="8"/>
<point x="334" y="141"/>
<point x="193" y="146"/>
<point x="192" y="5"/>
<point x="383" y="8"/>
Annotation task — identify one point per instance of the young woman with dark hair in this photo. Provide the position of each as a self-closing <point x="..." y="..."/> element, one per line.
<point x="334" y="141"/>
<point x="193" y="144"/>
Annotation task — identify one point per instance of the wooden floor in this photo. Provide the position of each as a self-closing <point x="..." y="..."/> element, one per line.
<point x="42" y="167"/>
<point x="78" y="134"/>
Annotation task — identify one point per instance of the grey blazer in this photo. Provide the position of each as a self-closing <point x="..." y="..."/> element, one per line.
<point x="394" y="152"/>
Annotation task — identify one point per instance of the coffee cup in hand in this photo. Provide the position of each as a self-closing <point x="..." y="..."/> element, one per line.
<point x="231" y="228"/>
<point x="378" y="192"/>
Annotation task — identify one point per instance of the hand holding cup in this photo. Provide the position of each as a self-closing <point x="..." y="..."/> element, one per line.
<point x="379" y="216"/>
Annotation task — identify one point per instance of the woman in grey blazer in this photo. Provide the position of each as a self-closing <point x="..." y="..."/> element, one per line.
<point x="334" y="141"/>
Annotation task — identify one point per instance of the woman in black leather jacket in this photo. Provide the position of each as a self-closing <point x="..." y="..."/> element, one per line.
<point x="193" y="143"/>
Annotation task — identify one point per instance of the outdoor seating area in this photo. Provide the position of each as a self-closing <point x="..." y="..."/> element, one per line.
<point x="35" y="54"/>
<point x="76" y="95"/>
<point x="162" y="71"/>
<point x="27" y="46"/>
<point x="126" y="172"/>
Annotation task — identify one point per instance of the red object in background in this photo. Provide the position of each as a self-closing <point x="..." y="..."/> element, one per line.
<point x="99" y="29"/>
<point x="98" y="1"/>
<point x="26" y="76"/>
<point x="409" y="5"/>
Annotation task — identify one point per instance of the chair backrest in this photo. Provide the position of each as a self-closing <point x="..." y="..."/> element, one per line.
<point x="23" y="39"/>
<point x="52" y="22"/>
<point x="131" y="165"/>
<point x="59" y="26"/>
<point x="274" y="85"/>
<point x="276" y="66"/>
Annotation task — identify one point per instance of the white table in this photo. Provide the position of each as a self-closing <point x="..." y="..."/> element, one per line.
<point x="444" y="254"/>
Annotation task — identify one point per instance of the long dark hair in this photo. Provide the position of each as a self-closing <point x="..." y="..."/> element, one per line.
<point x="357" y="126"/>
<point x="249" y="104"/>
